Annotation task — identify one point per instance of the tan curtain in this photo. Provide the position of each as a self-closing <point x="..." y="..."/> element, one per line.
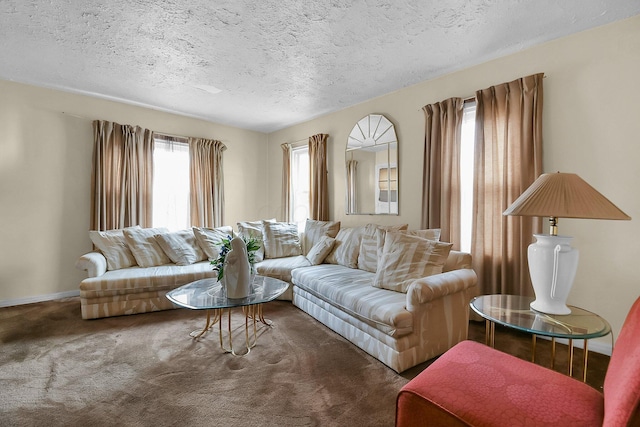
<point x="441" y="179"/>
<point x="207" y="183"/>
<point x="122" y="176"/>
<point x="318" y="183"/>
<point x="352" y="194"/>
<point x="286" y="182"/>
<point x="508" y="158"/>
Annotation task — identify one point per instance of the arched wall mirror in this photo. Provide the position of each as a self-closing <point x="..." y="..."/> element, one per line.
<point x="372" y="167"/>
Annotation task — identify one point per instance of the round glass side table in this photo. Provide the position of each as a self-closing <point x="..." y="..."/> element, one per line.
<point x="513" y="311"/>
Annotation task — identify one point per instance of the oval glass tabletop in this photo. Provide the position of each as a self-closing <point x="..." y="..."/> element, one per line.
<point x="513" y="311"/>
<point x="210" y="294"/>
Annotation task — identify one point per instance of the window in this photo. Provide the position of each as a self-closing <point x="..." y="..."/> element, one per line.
<point x="299" y="186"/>
<point x="387" y="188"/>
<point x="466" y="174"/>
<point x="171" y="183"/>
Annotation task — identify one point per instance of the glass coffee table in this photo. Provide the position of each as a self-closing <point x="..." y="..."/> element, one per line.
<point x="210" y="295"/>
<point x="514" y="312"/>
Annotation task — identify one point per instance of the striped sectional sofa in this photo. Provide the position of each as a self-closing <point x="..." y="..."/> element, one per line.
<point x="132" y="269"/>
<point x="402" y="296"/>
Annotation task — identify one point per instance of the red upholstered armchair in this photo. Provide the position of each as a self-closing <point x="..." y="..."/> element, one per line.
<point x="475" y="385"/>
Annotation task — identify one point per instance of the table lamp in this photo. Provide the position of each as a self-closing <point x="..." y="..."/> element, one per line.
<point x="552" y="261"/>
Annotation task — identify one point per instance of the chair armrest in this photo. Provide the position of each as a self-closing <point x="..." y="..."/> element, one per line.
<point x="94" y="263"/>
<point x="437" y="286"/>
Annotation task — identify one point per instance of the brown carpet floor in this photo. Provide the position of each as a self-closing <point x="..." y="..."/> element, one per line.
<point x="144" y="370"/>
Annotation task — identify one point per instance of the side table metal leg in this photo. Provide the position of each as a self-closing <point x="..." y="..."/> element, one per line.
<point x="570" y="357"/>
<point x="584" y="362"/>
<point x="487" y="331"/>
<point x="533" y="348"/>
<point x="553" y="352"/>
<point x="493" y="335"/>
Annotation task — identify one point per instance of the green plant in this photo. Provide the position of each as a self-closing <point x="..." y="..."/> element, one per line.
<point x="252" y="243"/>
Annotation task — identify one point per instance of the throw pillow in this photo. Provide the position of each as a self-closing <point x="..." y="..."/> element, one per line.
<point x="144" y="246"/>
<point x="210" y="239"/>
<point x="320" y="250"/>
<point x="406" y="258"/>
<point x="114" y="247"/>
<point x="368" y="254"/>
<point x="181" y="247"/>
<point x="314" y="230"/>
<point x="254" y="229"/>
<point x="280" y="239"/>
<point x="346" y="247"/>
<point x="430" y="234"/>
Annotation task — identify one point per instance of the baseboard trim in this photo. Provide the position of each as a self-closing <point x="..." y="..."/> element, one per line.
<point x="39" y="298"/>
<point x="593" y="346"/>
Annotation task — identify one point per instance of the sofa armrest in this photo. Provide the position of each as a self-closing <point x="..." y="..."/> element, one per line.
<point x="94" y="263"/>
<point x="437" y="286"/>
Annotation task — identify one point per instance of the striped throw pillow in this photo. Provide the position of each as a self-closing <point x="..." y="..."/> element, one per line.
<point x="346" y="247"/>
<point x="320" y="250"/>
<point x="406" y="258"/>
<point x="280" y="239"/>
<point x="114" y="247"/>
<point x="181" y="247"/>
<point x="368" y="255"/>
<point x="429" y="234"/>
<point x="210" y="239"/>
<point x="249" y="229"/>
<point x="314" y="230"/>
<point x="144" y="246"/>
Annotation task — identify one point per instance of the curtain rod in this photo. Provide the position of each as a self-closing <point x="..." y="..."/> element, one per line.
<point x="171" y="136"/>
<point x="298" y="142"/>
<point x="156" y="132"/>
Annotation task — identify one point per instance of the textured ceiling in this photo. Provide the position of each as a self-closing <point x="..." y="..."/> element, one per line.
<point x="276" y="62"/>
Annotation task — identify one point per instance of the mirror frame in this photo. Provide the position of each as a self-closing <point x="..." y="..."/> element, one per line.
<point x="373" y="133"/>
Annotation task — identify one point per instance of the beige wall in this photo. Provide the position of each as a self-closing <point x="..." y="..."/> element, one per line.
<point x="46" y="144"/>
<point x="591" y="127"/>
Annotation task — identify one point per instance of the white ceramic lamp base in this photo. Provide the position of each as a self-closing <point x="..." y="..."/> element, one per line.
<point x="552" y="264"/>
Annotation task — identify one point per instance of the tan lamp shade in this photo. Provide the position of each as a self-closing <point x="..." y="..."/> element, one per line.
<point x="564" y="195"/>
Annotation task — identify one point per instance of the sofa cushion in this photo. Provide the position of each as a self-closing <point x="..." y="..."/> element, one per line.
<point x="346" y="247"/>
<point x="428" y="233"/>
<point x="138" y="280"/>
<point x="114" y="247"/>
<point x="406" y="258"/>
<point x="368" y="253"/>
<point x="210" y="239"/>
<point x="181" y="247"/>
<point x="249" y="229"/>
<point x="314" y="230"/>
<point x="351" y="291"/>
<point x="144" y="246"/>
<point x="280" y="268"/>
<point x="280" y="239"/>
<point x="320" y="250"/>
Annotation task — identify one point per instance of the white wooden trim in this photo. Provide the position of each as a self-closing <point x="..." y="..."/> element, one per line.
<point x="593" y="345"/>
<point x="39" y="298"/>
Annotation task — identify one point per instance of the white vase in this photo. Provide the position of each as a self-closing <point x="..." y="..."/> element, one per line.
<point x="552" y="264"/>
